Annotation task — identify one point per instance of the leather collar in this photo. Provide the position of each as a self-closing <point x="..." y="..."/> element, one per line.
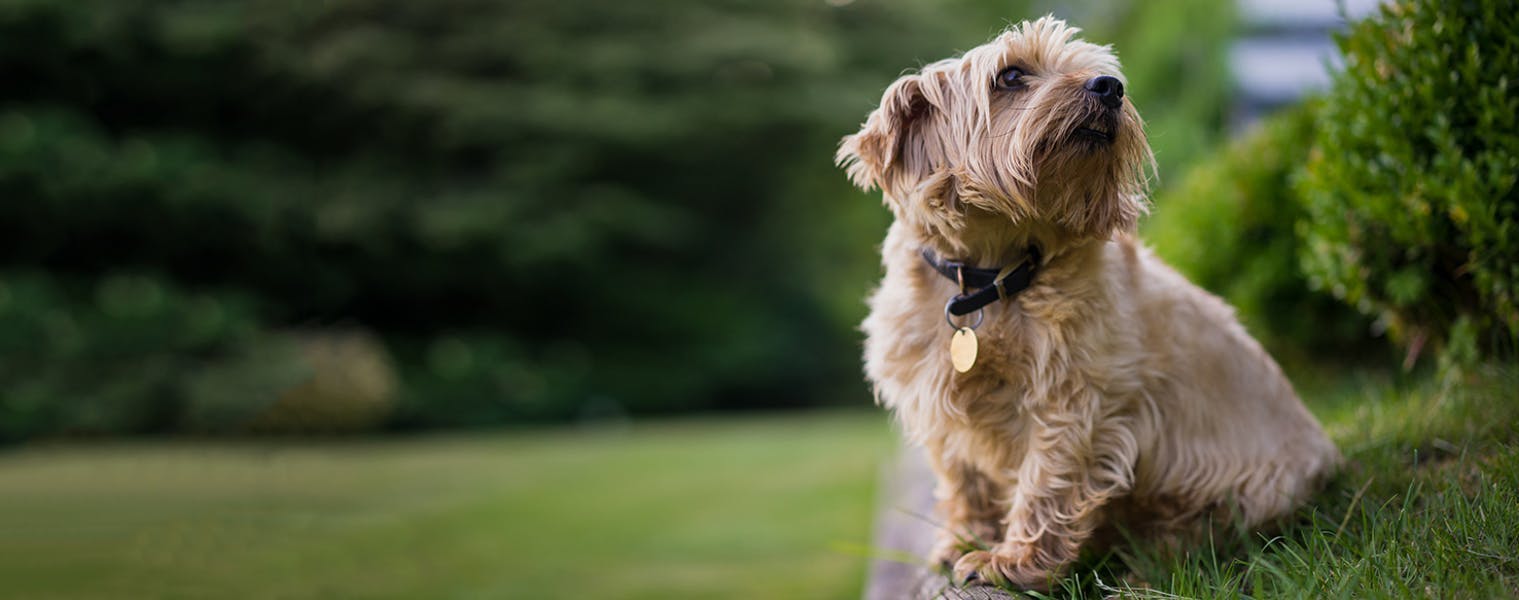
<point x="980" y="287"/>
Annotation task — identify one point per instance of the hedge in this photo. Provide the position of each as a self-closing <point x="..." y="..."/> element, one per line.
<point x="1410" y="187"/>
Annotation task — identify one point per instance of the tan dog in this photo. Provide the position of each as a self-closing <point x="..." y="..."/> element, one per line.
<point x="1108" y="392"/>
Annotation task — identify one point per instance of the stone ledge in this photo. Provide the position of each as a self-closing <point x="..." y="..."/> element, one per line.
<point x="905" y="527"/>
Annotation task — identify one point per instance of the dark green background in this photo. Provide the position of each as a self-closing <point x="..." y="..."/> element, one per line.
<point x="546" y="210"/>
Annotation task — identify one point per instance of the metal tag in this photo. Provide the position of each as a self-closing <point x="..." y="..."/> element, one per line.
<point x="962" y="349"/>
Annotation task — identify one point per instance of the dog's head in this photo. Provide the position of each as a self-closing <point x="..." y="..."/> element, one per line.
<point x="1029" y="131"/>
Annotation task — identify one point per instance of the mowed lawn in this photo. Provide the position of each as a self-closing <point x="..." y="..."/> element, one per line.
<point x="732" y="507"/>
<point x="737" y="507"/>
<point x="1427" y="505"/>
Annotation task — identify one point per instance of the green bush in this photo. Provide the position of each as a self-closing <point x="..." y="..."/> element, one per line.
<point x="128" y="354"/>
<point x="348" y="385"/>
<point x="1229" y="226"/>
<point x="476" y="380"/>
<point x="1410" y="188"/>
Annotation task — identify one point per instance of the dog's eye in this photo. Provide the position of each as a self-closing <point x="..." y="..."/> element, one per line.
<point x="1010" y="78"/>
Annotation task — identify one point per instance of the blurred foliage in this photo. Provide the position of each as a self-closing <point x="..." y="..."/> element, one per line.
<point x="1410" y="188"/>
<point x="547" y="210"/>
<point x="1175" y="57"/>
<point x="350" y="386"/>
<point x="1230" y="226"/>
<point x="126" y="352"/>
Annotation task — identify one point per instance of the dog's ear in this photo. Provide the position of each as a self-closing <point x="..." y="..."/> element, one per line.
<point x="888" y="150"/>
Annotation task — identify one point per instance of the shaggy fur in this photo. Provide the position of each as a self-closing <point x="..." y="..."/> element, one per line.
<point x="1111" y="392"/>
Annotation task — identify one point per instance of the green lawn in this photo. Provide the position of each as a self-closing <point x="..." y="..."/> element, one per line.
<point x="761" y="507"/>
<point x="1427" y="507"/>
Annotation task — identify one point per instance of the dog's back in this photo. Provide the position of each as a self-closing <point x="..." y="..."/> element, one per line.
<point x="1229" y="422"/>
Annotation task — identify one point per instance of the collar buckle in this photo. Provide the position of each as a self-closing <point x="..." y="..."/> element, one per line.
<point x="980" y="287"/>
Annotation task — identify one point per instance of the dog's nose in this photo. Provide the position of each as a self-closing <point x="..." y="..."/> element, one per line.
<point x="1107" y="89"/>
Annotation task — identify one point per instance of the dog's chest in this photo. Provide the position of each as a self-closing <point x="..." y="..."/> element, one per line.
<point x="908" y="358"/>
<point x="994" y="449"/>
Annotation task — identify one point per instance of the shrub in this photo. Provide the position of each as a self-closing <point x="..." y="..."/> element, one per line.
<point x="1229" y="226"/>
<point x="348" y="385"/>
<point x="122" y="355"/>
<point x="476" y="380"/>
<point x="1410" y="187"/>
<point x="132" y="353"/>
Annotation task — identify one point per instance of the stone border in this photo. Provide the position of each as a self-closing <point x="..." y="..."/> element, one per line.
<point x="904" y="527"/>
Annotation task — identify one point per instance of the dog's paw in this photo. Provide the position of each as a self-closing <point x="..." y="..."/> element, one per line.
<point x="950" y="545"/>
<point x="999" y="570"/>
<point x="946" y="551"/>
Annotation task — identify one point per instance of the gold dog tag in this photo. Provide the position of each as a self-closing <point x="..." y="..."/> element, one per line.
<point x="962" y="349"/>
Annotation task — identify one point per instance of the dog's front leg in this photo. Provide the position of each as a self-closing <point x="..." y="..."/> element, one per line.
<point x="968" y="505"/>
<point x="1077" y="461"/>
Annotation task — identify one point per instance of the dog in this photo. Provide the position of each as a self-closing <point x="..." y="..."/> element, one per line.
<point x="1080" y="386"/>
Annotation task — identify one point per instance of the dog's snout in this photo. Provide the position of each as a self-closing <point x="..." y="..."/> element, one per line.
<point x="1108" y="90"/>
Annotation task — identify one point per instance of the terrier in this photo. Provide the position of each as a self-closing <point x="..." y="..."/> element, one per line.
<point x="1081" y="385"/>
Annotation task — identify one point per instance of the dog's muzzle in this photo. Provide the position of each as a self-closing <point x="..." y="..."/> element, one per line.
<point x="1100" y="129"/>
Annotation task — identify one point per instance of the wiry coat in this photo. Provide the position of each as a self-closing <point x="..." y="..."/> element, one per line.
<point x="1111" y="391"/>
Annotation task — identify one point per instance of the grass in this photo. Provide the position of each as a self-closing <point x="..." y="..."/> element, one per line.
<point x="1428" y="506"/>
<point x="738" y="507"/>
<point x="761" y="507"/>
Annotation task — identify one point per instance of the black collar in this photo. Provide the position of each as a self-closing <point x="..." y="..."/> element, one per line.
<point x="980" y="287"/>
